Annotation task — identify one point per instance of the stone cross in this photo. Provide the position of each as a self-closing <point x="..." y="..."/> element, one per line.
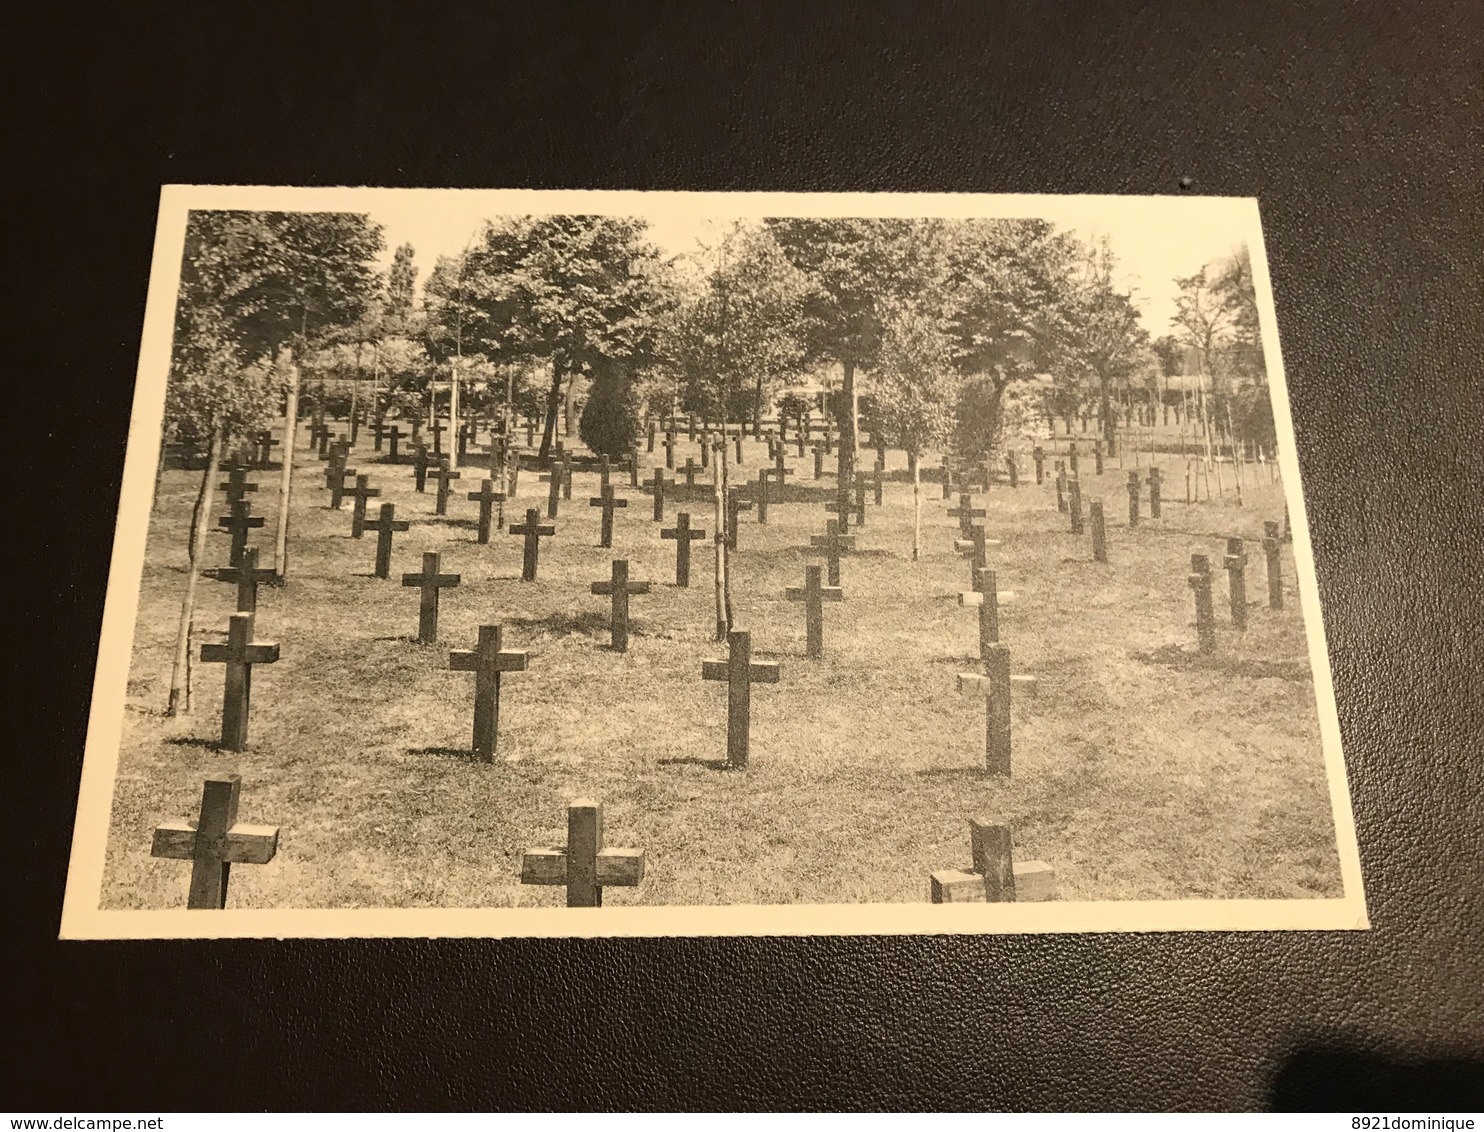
<point x="814" y="594"/>
<point x="1154" y="492"/>
<point x="583" y="865"/>
<point x="994" y="876"/>
<point x="842" y="506"/>
<point x="443" y="474"/>
<point x="818" y="450"/>
<point x="238" y="523"/>
<point x="1061" y="486"/>
<point x="670" y="448"/>
<point x="553" y="480"/>
<point x="359" y="494"/>
<point x="1099" y="531"/>
<point x="1236" y="581"/>
<point x="966" y="513"/>
<point x="659" y="495"/>
<point x="833" y="542"/>
<point x="995" y="685"/>
<point x="1273" y="547"/>
<point x="214" y="842"/>
<point x="739" y="672"/>
<point x="239" y="654"/>
<point x="689" y="472"/>
<point x="986" y="596"/>
<point x="378" y="434"/>
<point x="683" y="535"/>
<point x="1205" y="616"/>
<point x="762" y="497"/>
<point x="1074" y="504"/>
<point x="394" y="439"/>
<point x="248" y="578"/>
<point x="620" y="589"/>
<point x="566" y="454"/>
<point x="384" y="526"/>
<point x="487" y="497"/>
<point x="487" y="661"/>
<point x="607" y="501"/>
<point x="429" y="581"/>
<point x="338" y="490"/>
<point x="1133" y="498"/>
<point x="532" y="531"/>
<point x="1039" y="457"/>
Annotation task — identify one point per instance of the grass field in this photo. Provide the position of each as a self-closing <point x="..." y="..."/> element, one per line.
<point x="1142" y="770"/>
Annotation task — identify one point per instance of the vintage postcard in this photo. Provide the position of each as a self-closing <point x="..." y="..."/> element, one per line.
<point x="497" y="563"/>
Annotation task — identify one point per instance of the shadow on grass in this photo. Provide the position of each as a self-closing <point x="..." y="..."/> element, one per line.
<point x="565" y="624"/>
<point x="194" y="741"/>
<point x="695" y="760"/>
<point x="403" y="638"/>
<point x="956" y="772"/>
<point x="457" y="754"/>
<point x="1183" y="658"/>
<point x="462" y="524"/>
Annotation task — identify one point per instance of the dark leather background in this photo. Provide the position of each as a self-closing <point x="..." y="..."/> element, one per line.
<point x="1359" y="127"/>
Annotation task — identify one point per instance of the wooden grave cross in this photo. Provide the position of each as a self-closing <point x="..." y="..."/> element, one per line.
<point x="620" y="589"/>
<point x="437" y="428"/>
<point x="1074" y="504"/>
<point x="384" y="526"/>
<point x="608" y="501"/>
<point x="430" y="582"/>
<point x="1272" y="546"/>
<point x="877" y="488"/>
<point x="689" y="472"/>
<point x="966" y="513"/>
<point x="1099" y="531"/>
<point x="1133" y="498"/>
<point x="487" y="661"/>
<point x="649" y="429"/>
<point x="394" y="439"/>
<point x="443" y="474"/>
<point x="1097" y="456"/>
<point x="818" y="450"/>
<point x="986" y="596"/>
<point x="780" y="471"/>
<point x="995" y="685"/>
<point x="236" y="486"/>
<point x="762" y="497"/>
<point x="553" y="479"/>
<point x="739" y="672"/>
<point x="566" y="473"/>
<point x="421" y="462"/>
<point x="833" y="542"/>
<point x="683" y="534"/>
<point x="1205" y="615"/>
<point x="378" y="434"/>
<point x="239" y="653"/>
<point x="1072" y="457"/>
<point x="842" y="506"/>
<point x="1061" y="486"/>
<point x="659" y="494"/>
<point x="735" y="506"/>
<point x="583" y="865"/>
<point x="214" y="842"/>
<point x="1038" y="457"/>
<point x="319" y="435"/>
<point x="248" y="578"/>
<point x="976" y="548"/>
<point x="264" y="445"/>
<point x="532" y="531"/>
<point x="338" y="490"/>
<point x="1012" y="470"/>
<point x="994" y="877"/>
<point x="359" y="494"/>
<point x="238" y="523"/>
<point x="487" y="497"/>
<point x="1155" y="483"/>
<point x="670" y="448"/>
<point x="814" y="594"/>
<point x="1235" y="563"/>
<point x="634" y="465"/>
<point x="860" y="500"/>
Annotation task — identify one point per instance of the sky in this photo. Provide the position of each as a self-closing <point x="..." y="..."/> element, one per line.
<point x="1154" y="239"/>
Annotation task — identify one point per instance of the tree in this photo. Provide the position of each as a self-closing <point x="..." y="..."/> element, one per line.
<point x="401" y="282"/>
<point x="1239" y="359"/>
<point x="252" y="284"/>
<point x="914" y="389"/>
<point x="567" y="290"/>
<point x="854" y="266"/>
<point x="1103" y="335"/>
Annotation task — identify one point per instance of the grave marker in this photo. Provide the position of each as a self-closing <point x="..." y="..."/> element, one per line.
<point x="1014" y="472"/>
<point x="237" y="524"/>
<point x="659" y="494"/>
<point x="1074" y="504"/>
<point x="236" y="486"/>
<point x="359" y="494"/>
<point x="994" y="876"/>
<point x="443" y="474"/>
<point x="394" y="439"/>
<point x="1154" y="492"/>
<point x="739" y="672"/>
<point x="532" y="531"/>
<point x="833" y="542"/>
<point x="384" y="526"/>
<point x="966" y="513"/>
<point x="762" y="497"/>
<point x="214" y="842"/>
<point x="670" y="449"/>
<point x="583" y="865"/>
<point x="607" y="501"/>
<point x="239" y="654"/>
<point x="1039" y="457"/>
<point x="1205" y="616"/>
<point x="1133" y="498"/>
<point x="995" y="686"/>
<point x="1061" y="487"/>
<point x="248" y="578"/>
<point x="735" y="506"/>
<point x="620" y="589"/>
<point x="487" y="661"/>
<point x="1097" y="456"/>
<point x="429" y="582"/>
<point x="1099" y="531"/>
<point x="683" y="535"/>
<point x="1235" y="563"/>
<point x="338" y="490"/>
<point x="814" y="594"/>
<point x="987" y="597"/>
<point x="1273" y="547"/>
<point x="421" y="462"/>
<point x="487" y="497"/>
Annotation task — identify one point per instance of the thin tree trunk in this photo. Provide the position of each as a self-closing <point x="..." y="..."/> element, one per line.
<point x="916" y="505"/>
<point x="847" y="425"/>
<point x="553" y="400"/>
<point x="1105" y="403"/>
<point x="720" y="480"/>
<point x="290" y="434"/>
<point x="453" y="416"/>
<point x="180" y="672"/>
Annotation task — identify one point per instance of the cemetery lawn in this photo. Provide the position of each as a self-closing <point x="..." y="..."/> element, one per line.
<point x="1142" y="770"/>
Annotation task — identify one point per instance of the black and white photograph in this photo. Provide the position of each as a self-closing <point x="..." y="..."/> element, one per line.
<point x="538" y="563"/>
